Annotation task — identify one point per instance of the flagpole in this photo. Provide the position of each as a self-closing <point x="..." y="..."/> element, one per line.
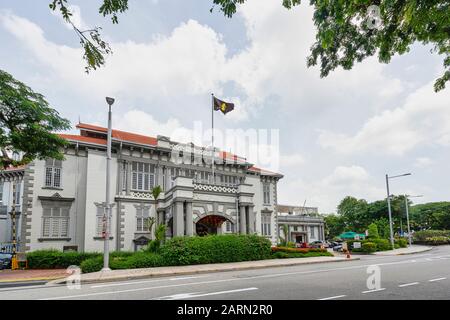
<point x="212" y="135"/>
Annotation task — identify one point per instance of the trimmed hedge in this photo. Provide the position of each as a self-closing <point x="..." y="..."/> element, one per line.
<point x="54" y="259"/>
<point x="432" y="237"/>
<point x="215" y="249"/>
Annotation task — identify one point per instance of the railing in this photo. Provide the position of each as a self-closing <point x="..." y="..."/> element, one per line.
<point x="4" y="209"/>
<point x="215" y="183"/>
<point x="8" y="247"/>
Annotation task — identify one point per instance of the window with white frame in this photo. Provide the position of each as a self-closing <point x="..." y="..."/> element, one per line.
<point x="142" y="218"/>
<point x="266" y="193"/>
<point x="55" y="221"/>
<point x="101" y="221"/>
<point x="266" y="226"/>
<point x="53" y="170"/>
<point x="142" y="176"/>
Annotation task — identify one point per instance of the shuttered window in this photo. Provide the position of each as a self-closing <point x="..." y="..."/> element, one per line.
<point x="143" y="176"/>
<point x="266" y="193"/>
<point x="55" y="222"/>
<point x="266" y="226"/>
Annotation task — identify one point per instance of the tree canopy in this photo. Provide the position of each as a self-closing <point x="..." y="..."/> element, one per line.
<point x="26" y="124"/>
<point x="349" y="31"/>
<point x="359" y="215"/>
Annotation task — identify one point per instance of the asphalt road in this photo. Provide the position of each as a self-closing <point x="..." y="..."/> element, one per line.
<point x="418" y="276"/>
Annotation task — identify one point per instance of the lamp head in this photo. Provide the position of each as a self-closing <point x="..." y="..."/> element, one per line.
<point x="110" y="101"/>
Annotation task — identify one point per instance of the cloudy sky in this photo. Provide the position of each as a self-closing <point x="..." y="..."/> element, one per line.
<point x="338" y="136"/>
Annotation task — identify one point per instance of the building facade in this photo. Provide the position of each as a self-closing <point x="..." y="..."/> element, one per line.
<point x="304" y="225"/>
<point x="62" y="203"/>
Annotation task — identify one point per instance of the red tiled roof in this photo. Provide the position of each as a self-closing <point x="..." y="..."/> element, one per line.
<point x="121" y="135"/>
<point x="17" y="168"/>
<point x="229" y="156"/>
<point x="264" y="172"/>
<point x="83" y="138"/>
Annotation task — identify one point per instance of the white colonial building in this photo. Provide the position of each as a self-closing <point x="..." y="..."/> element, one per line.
<point x="303" y="224"/>
<point x="61" y="202"/>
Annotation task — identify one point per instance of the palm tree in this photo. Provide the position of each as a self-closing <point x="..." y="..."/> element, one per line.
<point x="286" y="232"/>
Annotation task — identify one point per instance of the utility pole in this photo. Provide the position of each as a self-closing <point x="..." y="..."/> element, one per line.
<point x="389" y="205"/>
<point x="107" y="212"/>
<point x="390" y="213"/>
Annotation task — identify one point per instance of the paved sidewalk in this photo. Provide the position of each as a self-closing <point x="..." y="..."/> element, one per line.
<point x="31" y="275"/>
<point x="127" y="274"/>
<point x="409" y="250"/>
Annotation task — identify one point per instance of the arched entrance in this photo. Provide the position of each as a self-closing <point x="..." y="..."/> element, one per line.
<point x="209" y="224"/>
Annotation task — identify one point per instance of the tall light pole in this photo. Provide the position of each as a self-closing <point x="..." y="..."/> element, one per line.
<point x="407" y="215"/>
<point x="389" y="205"/>
<point x="107" y="212"/>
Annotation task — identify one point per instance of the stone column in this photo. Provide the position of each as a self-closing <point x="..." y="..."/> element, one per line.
<point x="189" y="220"/>
<point x="178" y="219"/>
<point x="251" y="220"/>
<point x="243" y="222"/>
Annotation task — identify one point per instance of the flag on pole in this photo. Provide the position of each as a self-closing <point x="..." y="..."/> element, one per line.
<point x="223" y="106"/>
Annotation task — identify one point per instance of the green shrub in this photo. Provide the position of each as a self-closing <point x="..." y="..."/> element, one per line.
<point x="153" y="246"/>
<point x="421" y="236"/>
<point x="402" y="243"/>
<point x="92" y="264"/>
<point x="436" y="241"/>
<point x="290" y="244"/>
<point x="369" y="247"/>
<point x="382" y="244"/>
<point x="373" y="231"/>
<point x="54" y="259"/>
<point x="215" y="249"/>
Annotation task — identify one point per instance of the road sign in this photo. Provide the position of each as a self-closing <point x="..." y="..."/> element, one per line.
<point x="356" y="245"/>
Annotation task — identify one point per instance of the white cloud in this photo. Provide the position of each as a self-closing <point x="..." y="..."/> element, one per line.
<point x="424" y="119"/>
<point x="423" y="162"/>
<point x="292" y="160"/>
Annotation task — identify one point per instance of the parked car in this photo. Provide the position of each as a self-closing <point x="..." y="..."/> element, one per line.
<point x="337" y="247"/>
<point x="5" y="261"/>
<point x="317" y="244"/>
<point x="332" y="244"/>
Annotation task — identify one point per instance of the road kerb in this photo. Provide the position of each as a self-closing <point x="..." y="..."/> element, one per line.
<point x="186" y="272"/>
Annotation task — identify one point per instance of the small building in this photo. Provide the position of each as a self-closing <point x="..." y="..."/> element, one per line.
<point x="350" y="235"/>
<point x="304" y="223"/>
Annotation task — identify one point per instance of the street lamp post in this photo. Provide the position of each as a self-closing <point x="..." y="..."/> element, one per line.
<point x="389" y="205"/>
<point x="107" y="212"/>
<point x="407" y="215"/>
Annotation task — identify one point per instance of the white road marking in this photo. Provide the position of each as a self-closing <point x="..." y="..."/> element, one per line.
<point x="273" y="275"/>
<point x="199" y="294"/>
<point x="373" y="290"/>
<point x="408" y="284"/>
<point x="146" y="281"/>
<point x="437" y="279"/>
<point x="331" y="298"/>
